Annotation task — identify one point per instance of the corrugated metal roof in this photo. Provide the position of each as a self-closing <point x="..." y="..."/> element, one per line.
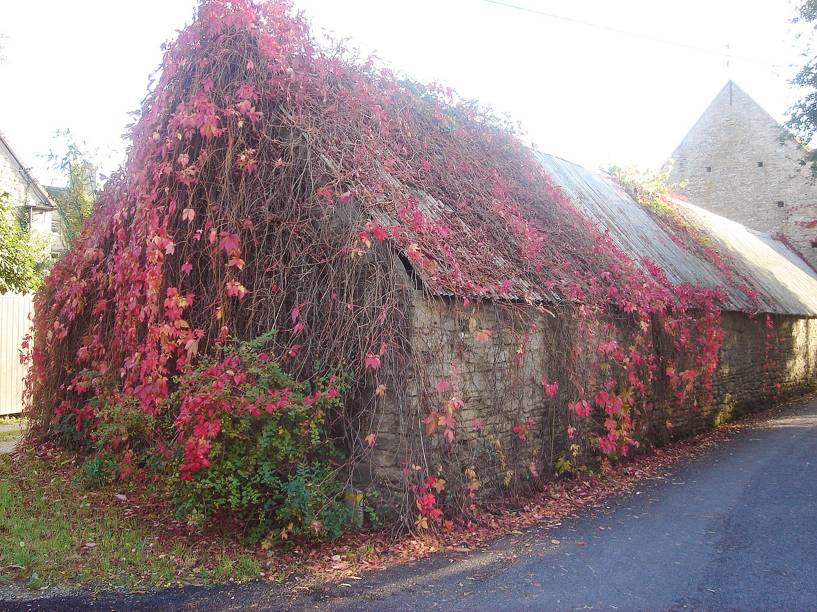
<point x="769" y="266"/>
<point x="784" y="284"/>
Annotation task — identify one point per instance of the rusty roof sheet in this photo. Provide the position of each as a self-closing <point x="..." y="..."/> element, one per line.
<point x="783" y="282"/>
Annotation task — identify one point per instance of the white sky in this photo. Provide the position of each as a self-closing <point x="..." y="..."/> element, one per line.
<point x="587" y="94"/>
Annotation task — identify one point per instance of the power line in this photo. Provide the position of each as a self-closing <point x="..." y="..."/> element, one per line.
<point x="611" y="29"/>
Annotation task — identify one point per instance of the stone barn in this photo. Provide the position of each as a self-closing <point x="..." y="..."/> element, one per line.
<point x="737" y="161"/>
<point x="510" y="425"/>
<point x="303" y="243"/>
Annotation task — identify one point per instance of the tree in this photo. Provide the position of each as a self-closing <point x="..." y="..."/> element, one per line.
<point x="21" y="263"/>
<point x="75" y="202"/>
<point x="803" y="115"/>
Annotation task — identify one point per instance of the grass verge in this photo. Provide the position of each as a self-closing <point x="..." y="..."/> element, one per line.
<point x="53" y="531"/>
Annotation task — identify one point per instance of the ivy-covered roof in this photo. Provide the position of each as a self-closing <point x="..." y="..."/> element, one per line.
<point x="761" y="273"/>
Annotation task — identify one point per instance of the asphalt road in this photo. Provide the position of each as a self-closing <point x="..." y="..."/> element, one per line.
<point x="735" y="528"/>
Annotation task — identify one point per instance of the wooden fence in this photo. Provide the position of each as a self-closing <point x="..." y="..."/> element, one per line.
<point x="14" y="324"/>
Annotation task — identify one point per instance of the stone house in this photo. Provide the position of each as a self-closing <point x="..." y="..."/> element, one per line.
<point x="769" y="349"/>
<point x="29" y="198"/>
<point x="738" y="162"/>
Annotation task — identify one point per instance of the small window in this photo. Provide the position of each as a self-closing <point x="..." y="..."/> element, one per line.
<point x="759" y="164"/>
<point x="709" y="168"/>
<point x="814" y="244"/>
<point x="780" y="204"/>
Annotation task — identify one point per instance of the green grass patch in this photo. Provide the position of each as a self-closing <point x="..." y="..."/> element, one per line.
<point x="54" y="531"/>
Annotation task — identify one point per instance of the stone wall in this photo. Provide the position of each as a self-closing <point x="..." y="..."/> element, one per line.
<point x="759" y="365"/>
<point x="495" y="364"/>
<point x="479" y="354"/>
<point x="740" y="163"/>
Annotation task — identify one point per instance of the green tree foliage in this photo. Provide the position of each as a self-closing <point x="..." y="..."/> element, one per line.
<point x="641" y="185"/>
<point x="803" y="115"/>
<point x="21" y="262"/>
<point x="75" y="202"/>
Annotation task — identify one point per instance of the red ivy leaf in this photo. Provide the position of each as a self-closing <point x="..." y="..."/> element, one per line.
<point x="236" y="289"/>
<point x="483" y="335"/>
<point x="442" y="386"/>
<point x="231" y="243"/>
<point x="550" y="388"/>
<point x="581" y="408"/>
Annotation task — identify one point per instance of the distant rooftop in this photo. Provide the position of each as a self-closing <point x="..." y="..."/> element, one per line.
<point x="39" y="192"/>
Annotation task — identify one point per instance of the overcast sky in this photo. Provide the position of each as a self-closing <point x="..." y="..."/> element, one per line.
<point x="611" y="92"/>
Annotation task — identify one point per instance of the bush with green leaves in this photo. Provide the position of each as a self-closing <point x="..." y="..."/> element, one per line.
<point x="253" y="447"/>
<point x="23" y="257"/>
<point x="98" y="470"/>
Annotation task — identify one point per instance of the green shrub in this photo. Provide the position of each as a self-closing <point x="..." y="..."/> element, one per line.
<point x="270" y="464"/>
<point x="123" y="436"/>
<point x="67" y="434"/>
<point x="312" y="499"/>
<point x="98" y="470"/>
<point x="123" y="425"/>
